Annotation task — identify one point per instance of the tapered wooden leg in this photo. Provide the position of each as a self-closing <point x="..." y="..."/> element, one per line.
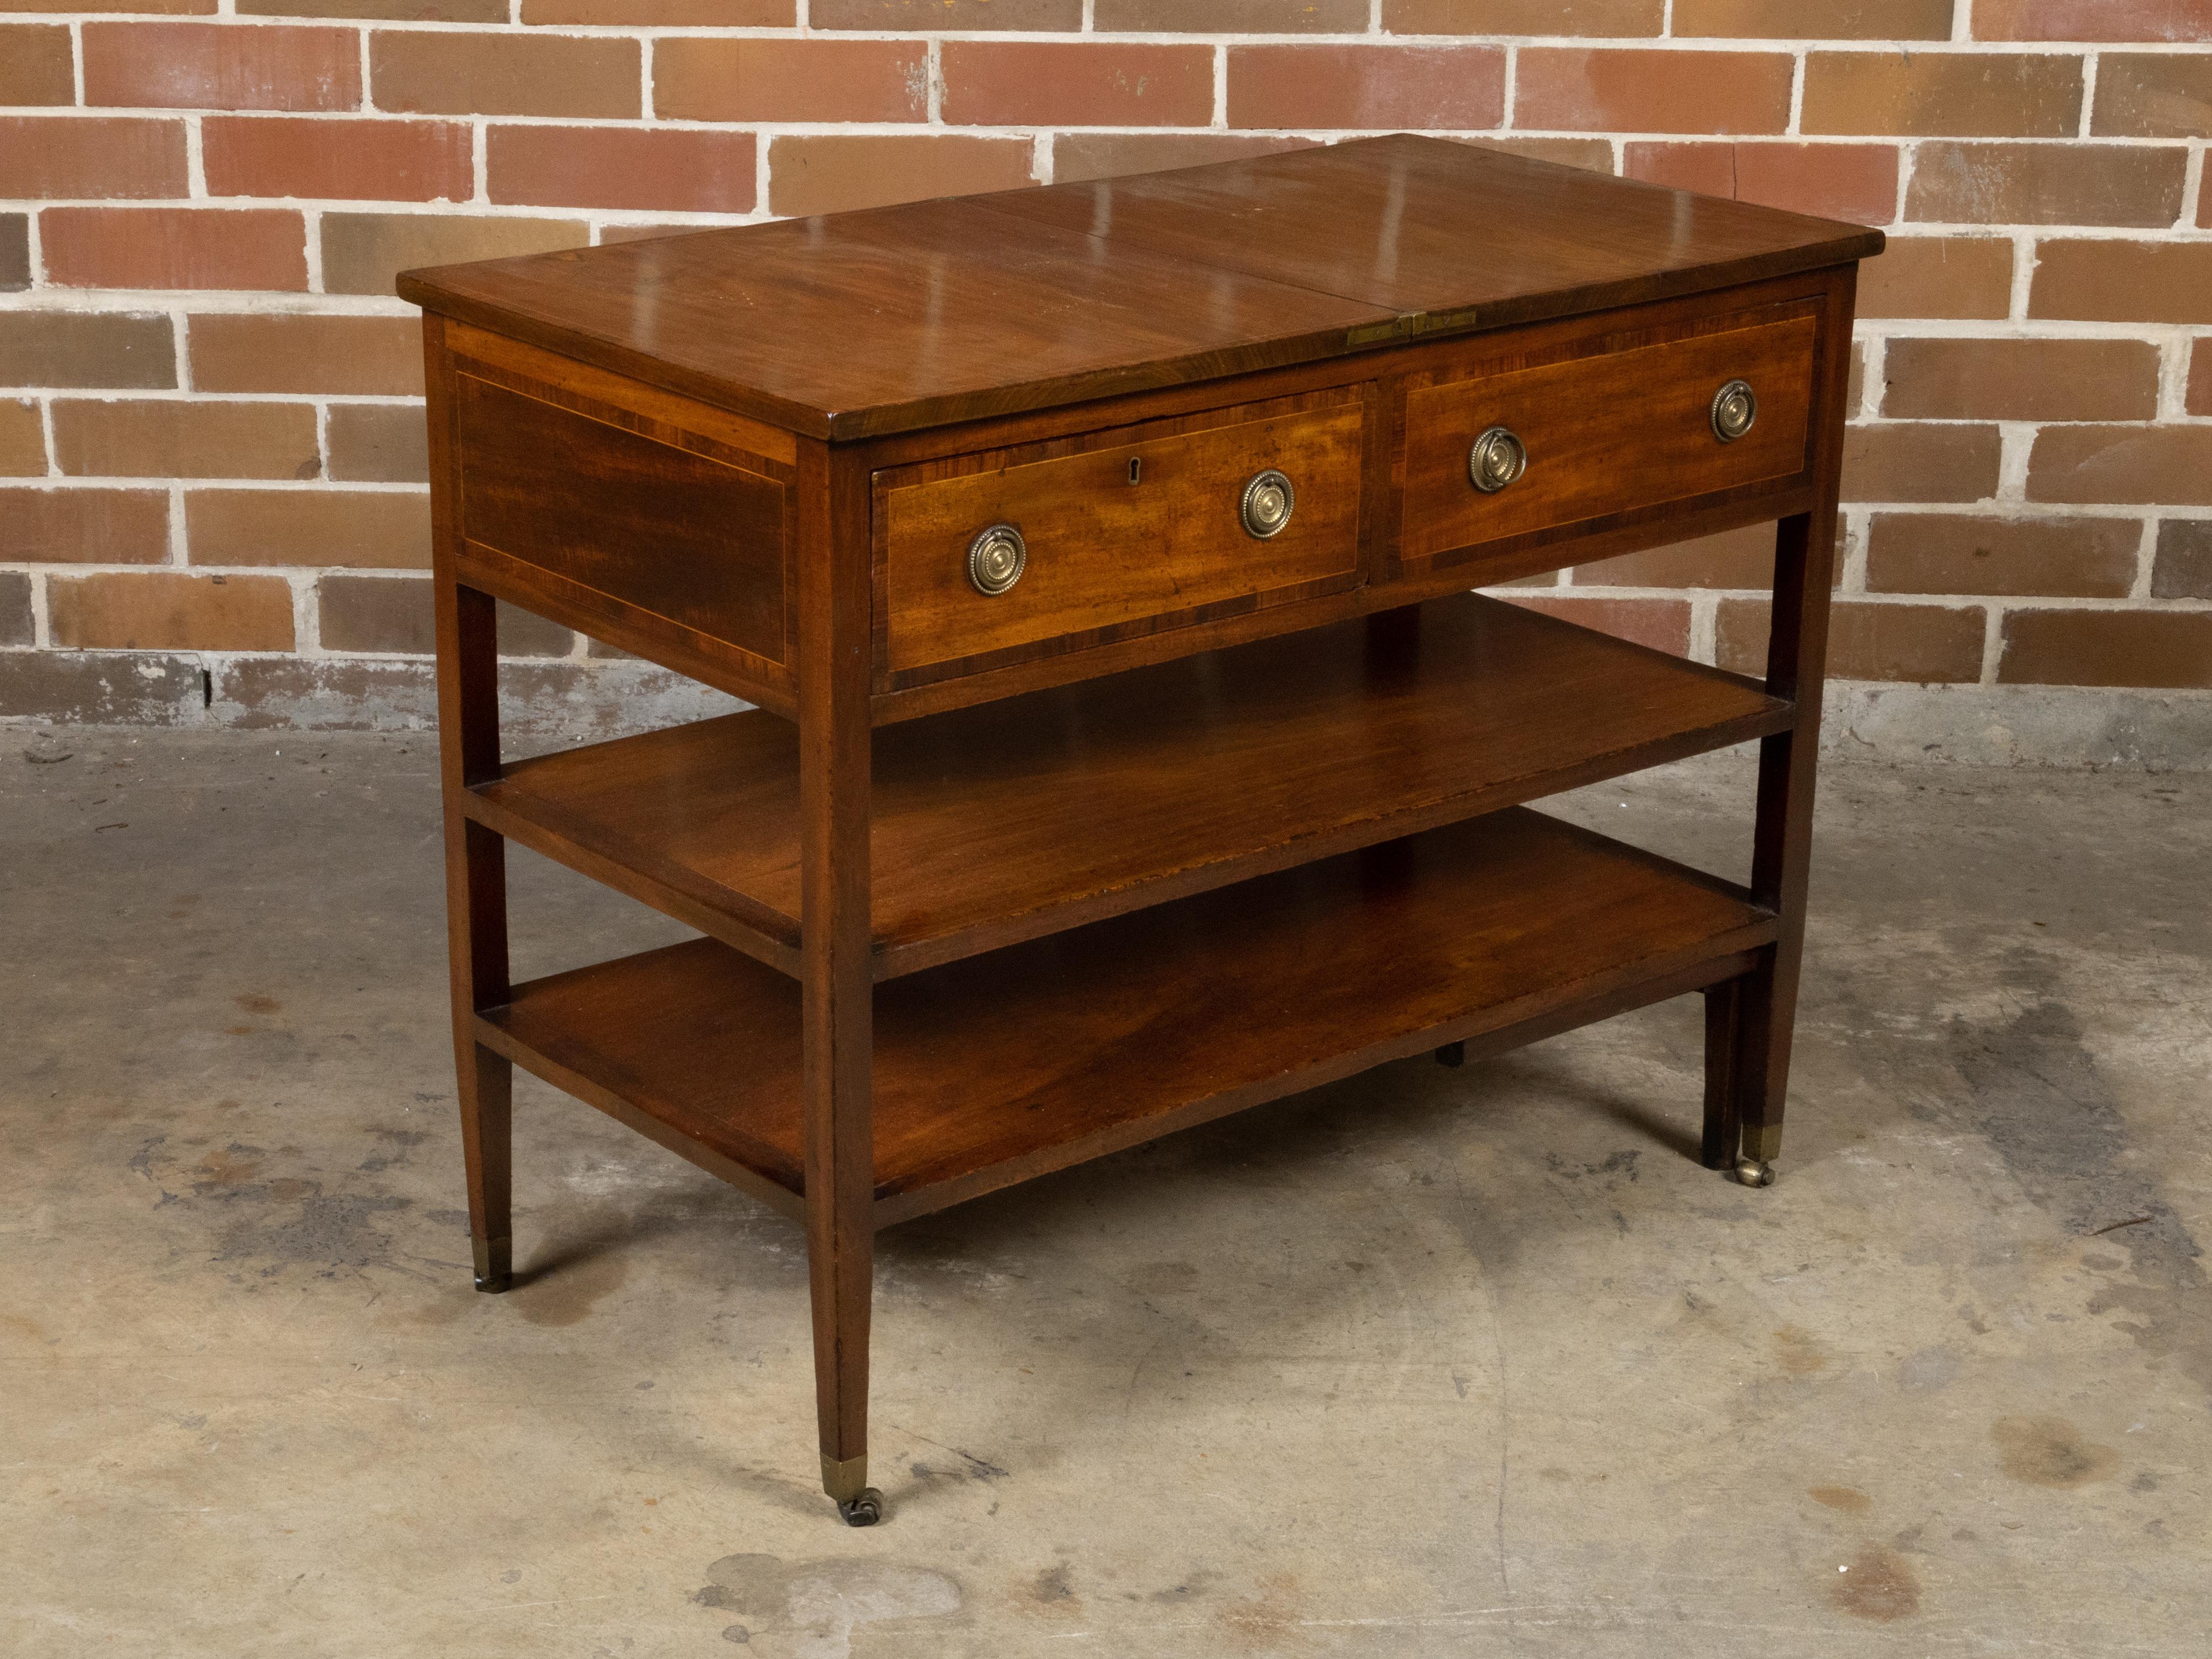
<point x="1723" y="1015"/>
<point x="486" y="1095"/>
<point x="837" y="976"/>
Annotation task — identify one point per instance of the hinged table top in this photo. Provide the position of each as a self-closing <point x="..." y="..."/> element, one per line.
<point x="888" y="319"/>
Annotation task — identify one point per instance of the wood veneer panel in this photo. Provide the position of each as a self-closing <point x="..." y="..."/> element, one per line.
<point x="1113" y="551"/>
<point x="1000" y="1068"/>
<point x="1445" y="236"/>
<point x="1010" y="820"/>
<point x="963" y="309"/>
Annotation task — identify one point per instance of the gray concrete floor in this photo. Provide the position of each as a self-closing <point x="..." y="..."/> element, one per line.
<point x="1427" y="1362"/>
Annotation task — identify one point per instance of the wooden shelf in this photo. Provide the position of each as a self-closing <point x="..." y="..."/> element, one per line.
<point x="1000" y="1068"/>
<point x="1015" y="820"/>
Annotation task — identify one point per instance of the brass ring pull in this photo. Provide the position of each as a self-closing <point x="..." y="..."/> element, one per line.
<point x="1735" y="406"/>
<point x="1268" y="502"/>
<point x="996" y="559"/>
<point x="1498" y="458"/>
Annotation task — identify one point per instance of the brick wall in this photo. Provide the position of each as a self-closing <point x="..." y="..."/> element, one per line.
<point x="211" y="458"/>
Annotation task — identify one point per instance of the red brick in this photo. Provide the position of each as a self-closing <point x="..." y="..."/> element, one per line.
<point x="22" y="441"/>
<point x="17" y="625"/>
<point x="1857" y="182"/>
<point x="35" y="66"/>
<point x="2162" y="649"/>
<point x="98" y="6"/>
<point x="174" y="247"/>
<point x="2182" y="567"/>
<point x="338" y="160"/>
<point x="1076" y="156"/>
<point x="702" y="79"/>
<point x="1734" y="558"/>
<point x="1924" y="643"/>
<point x="394" y="613"/>
<point x="1920" y="461"/>
<point x="1967" y="553"/>
<point x="1828" y="20"/>
<point x="449" y="72"/>
<point x="374" y="356"/>
<point x="378" y="443"/>
<point x="1974" y="95"/>
<point x="2166" y="94"/>
<point x="14" y="253"/>
<point x="1662" y="624"/>
<point x="84" y="526"/>
<point x="2071" y="183"/>
<point x="664" y="14"/>
<point x="1233" y="18"/>
<point x="1626" y="90"/>
<point x="167" y="610"/>
<point x="364" y="529"/>
<point x="2200" y="375"/>
<point x="678" y="171"/>
<point x="1615" y="18"/>
<point x="1365" y="87"/>
<point x="1960" y="277"/>
<point x="829" y="173"/>
<point x="363" y="252"/>
<point x="2151" y="465"/>
<point x="79" y="689"/>
<point x="914" y="16"/>
<point x="1046" y="83"/>
<point x="1591" y="154"/>
<point x="171" y="438"/>
<point x="1950" y="379"/>
<point x="2093" y="20"/>
<point x="2123" y="282"/>
<point x="98" y="157"/>
<point x="222" y="66"/>
<point x="87" y="349"/>
<point x="399" y="11"/>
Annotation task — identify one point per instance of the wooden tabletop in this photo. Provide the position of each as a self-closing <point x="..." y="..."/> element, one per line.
<point x="861" y="323"/>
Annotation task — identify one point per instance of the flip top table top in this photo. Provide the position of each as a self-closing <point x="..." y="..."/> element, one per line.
<point x="862" y="324"/>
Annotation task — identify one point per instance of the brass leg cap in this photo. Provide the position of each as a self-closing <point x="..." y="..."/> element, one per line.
<point x="1755" y="1173"/>
<point x="494" y="1263"/>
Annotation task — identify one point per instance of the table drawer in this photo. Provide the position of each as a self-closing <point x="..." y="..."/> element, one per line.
<point x="1120" y="532"/>
<point x="1602" y="434"/>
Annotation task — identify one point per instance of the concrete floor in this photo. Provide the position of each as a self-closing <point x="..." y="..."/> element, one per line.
<point x="1425" y="1362"/>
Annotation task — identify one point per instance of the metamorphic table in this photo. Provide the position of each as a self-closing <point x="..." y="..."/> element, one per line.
<point x="1128" y="747"/>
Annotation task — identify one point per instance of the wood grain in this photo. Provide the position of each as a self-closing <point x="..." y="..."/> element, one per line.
<point x="952" y="311"/>
<point x="1113" y="551"/>
<point x="1000" y="1068"/>
<point x="1005" y="822"/>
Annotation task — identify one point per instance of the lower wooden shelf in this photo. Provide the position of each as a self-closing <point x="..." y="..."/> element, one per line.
<point x="998" y="1067"/>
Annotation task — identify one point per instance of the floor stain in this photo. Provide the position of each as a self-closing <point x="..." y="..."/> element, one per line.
<point x="253" y="1002"/>
<point x="1849" y="1499"/>
<point x="1799" y="1352"/>
<point x="328" y="1231"/>
<point x="233" y="1165"/>
<point x="2038" y="1096"/>
<point x="1265" y="1622"/>
<point x="817" y="1605"/>
<point x="2050" y="1451"/>
<point x="565" y="1294"/>
<point x="1877" y="1585"/>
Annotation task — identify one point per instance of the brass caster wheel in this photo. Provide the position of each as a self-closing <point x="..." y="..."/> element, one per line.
<point x="1753" y="1173"/>
<point x="494" y="1263"/>
<point x="862" y="1511"/>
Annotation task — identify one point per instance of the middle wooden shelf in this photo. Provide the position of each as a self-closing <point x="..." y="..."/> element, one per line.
<point x="1011" y="820"/>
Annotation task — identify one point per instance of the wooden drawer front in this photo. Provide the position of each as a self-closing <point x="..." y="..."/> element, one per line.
<point x="622" y="519"/>
<point x="1109" y="558"/>
<point x="1605" y="433"/>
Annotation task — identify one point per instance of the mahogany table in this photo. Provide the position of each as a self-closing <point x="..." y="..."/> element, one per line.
<point x="1128" y="747"/>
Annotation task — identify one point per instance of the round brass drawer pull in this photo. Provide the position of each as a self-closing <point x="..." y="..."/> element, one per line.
<point x="1268" y="502"/>
<point x="1498" y="458"/>
<point x="996" y="559"/>
<point x="1735" y="406"/>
